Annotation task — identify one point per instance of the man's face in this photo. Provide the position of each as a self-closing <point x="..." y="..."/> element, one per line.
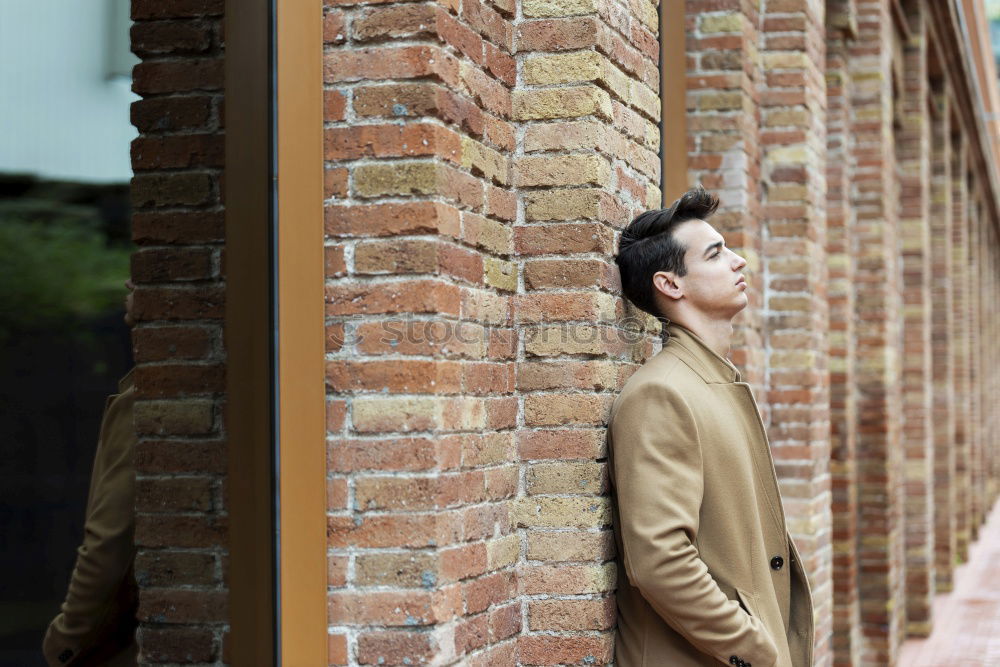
<point x="713" y="283"/>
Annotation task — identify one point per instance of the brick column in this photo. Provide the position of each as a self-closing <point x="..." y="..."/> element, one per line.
<point x="586" y="164"/>
<point x="793" y="140"/>
<point x="420" y="371"/>
<point x="178" y="227"/>
<point x="943" y="392"/>
<point x="724" y="153"/>
<point x="877" y="308"/>
<point x="975" y="282"/>
<point x="913" y="153"/>
<point x="991" y="296"/>
<point x="841" y="24"/>
<point x="960" y="341"/>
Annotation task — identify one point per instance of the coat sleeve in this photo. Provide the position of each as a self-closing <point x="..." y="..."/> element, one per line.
<point x="657" y="463"/>
<point x="97" y="615"/>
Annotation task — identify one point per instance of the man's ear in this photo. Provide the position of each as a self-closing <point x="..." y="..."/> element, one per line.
<point x="668" y="284"/>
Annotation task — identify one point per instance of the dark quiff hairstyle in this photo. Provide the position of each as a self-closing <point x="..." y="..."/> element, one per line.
<point x="648" y="245"/>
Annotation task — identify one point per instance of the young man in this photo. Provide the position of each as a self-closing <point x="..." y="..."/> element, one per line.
<point x="707" y="571"/>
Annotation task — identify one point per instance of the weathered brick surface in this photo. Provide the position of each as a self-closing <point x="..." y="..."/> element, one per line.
<point x="842" y="265"/>
<point x="793" y="108"/>
<point x="878" y="313"/>
<point x="180" y="361"/>
<point x="942" y="337"/>
<point x="960" y="342"/>
<point x="914" y="158"/>
<point x="481" y="160"/>
<point x="419" y="313"/>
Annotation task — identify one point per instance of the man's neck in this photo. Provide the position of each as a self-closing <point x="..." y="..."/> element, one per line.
<point x="717" y="334"/>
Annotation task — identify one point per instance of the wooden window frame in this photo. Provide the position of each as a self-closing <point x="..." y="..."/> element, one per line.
<point x="276" y="405"/>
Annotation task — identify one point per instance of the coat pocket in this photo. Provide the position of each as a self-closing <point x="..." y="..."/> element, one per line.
<point x="748" y="602"/>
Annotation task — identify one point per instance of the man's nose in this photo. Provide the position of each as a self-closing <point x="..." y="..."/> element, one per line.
<point x="738" y="262"/>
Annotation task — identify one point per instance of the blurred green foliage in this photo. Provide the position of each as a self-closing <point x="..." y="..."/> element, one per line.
<point x="58" y="267"/>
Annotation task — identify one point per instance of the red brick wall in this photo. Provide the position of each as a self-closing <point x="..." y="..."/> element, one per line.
<point x="723" y="121"/>
<point x="960" y="343"/>
<point x="841" y="263"/>
<point x="913" y="153"/>
<point x="794" y="152"/>
<point x="177" y="226"/>
<point x="942" y="328"/>
<point x="481" y="159"/>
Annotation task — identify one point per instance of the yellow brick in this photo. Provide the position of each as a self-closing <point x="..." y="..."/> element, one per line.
<point x="571" y="339"/>
<point x="786" y="304"/>
<point x="652" y="136"/>
<point x="788" y="193"/>
<point x="503" y="552"/>
<point x="644" y="99"/>
<point x="561" y="103"/>
<point x="717" y="143"/>
<point x="577" y="478"/>
<point x="551" y="8"/>
<point x="563" y="409"/>
<point x="488" y="449"/>
<point x="487" y="233"/>
<point x="485" y="160"/>
<point x="399" y="178"/>
<point x="396" y="414"/>
<point x="500" y="274"/>
<point x="787" y="117"/>
<point x="720" y="101"/>
<point x="789" y="155"/>
<point x="572" y="204"/>
<point x="564" y="136"/>
<point x="793" y="359"/>
<point x="569" y="546"/>
<point x="654" y="196"/>
<point x="580" y="512"/>
<point x="563" y="68"/>
<point x="406" y="570"/>
<point x="721" y="23"/>
<point x="561" y="170"/>
<point x="646" y="12"/>
<point x="785" y="60"/>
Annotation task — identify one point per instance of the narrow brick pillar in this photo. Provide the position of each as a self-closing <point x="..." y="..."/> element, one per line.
<point x="991" y="401"/>
<point x="913" y="153"/>
<point x="942" y="318"/>
<point x="976" y="371"/>
<point x="420" y="349"/>
<point x="178" y="228"/>
<point x="586" y="163"/>
<point x="960" y="341"/>
<point x="991" y="334"/>
<point x="723" y="104"/>
<point x="841" y="25"/>
<point x="793" y="143"/>
<point x="877" y="308"/>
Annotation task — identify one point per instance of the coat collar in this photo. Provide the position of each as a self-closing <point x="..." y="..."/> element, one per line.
<point x="712" y="368"/>
<point x="126" y="382"/>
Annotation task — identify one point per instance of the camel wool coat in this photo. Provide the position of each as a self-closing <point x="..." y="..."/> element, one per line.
<point x="707" y="571"/>
<point x="96" y="624"/>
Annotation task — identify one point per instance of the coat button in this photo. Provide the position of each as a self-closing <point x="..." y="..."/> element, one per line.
<point x="777" y="562"/>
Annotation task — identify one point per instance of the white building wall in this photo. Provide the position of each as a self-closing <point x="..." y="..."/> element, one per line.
<point x="63" y="114"/>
